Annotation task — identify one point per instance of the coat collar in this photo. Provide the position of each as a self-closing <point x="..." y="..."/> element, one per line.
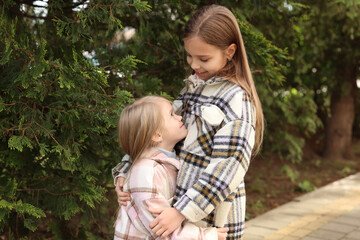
<point x="161" y="157"/>
<point x="194" y="81"/>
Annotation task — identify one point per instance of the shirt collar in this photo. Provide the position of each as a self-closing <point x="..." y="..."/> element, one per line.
<point x="194" y="81"/>
<point x="163" y="157"/>
<point x="167" y="153"/>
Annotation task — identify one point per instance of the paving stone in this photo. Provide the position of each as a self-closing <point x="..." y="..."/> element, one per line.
<point x="279" y="215"/>
<point x="297" y="211"/>
<point x="252" y="237"/>
<point x="274" y="224"/>
<point x="290" y="238"/>
<point x="312" y="205"/>
<point x="313" y="225"/>
<point x="322" y="196"/>
<point x="329" y="213"/>
<point x="327" y="235"/>
<point x="258" y="231"/>
<point x="355" y="213"/>
<point x="353" y="235"/>
<point x="275" y="236"/>
<point x="300" y="233"/>
<point x="287" y="230"/>
<point x="338" y="227"/>
<point x="310" y="238"/>
<point x="348" y="220"/>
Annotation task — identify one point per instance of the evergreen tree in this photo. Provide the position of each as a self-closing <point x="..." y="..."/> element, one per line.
<point x="58" y="113"/>
<point x="323" y="38"/>
<point x="331" y="61"/>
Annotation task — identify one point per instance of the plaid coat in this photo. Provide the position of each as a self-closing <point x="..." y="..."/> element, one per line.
<point x="215" y="155"/>
<point x="152" y="183"/>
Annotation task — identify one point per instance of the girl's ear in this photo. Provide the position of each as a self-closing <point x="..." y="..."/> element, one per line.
<point x="230" y="51"/>
<point x="157" y="137"/>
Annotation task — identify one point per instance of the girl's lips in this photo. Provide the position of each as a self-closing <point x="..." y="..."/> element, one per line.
<point x="200" y="73"/>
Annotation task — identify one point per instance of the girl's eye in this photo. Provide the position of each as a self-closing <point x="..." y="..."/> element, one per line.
<point x="204" y="60"/>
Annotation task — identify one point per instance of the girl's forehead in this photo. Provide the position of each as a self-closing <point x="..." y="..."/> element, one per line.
<point x="164" y="103"/>
<point x="197" y="46"/>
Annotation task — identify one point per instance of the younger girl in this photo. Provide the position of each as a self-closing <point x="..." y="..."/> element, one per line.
<point x="223" y="115"/>
<point x="148" y="130"/>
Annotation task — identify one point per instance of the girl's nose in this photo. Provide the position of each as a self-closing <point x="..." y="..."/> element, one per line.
<point x="194" y="65"/>
<point x="179" y="117"/>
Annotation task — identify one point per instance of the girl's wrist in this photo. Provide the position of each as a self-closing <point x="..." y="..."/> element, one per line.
<point x="182" y="216"/>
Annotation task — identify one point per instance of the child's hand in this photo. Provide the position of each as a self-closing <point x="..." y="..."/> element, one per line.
<point x="122" y="196"/>
<point x="222" y="233"/>
<point x="168" y="220"/>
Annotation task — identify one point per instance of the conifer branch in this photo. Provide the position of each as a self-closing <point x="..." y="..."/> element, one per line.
<point x="93" y="218"/>
<point x="50" y="134"/>
<point x="55" y="109"/>
<point x="162" y="47"/>
<point x="154" y="71"/>
<point x="14" y="128"/>
<point x="101" y="94"/>
<point x="40" y="180"/>
<point x="19" y="13"/>
<point x="28" y="53"/>
<point x="109" y="6"/>
<point x="46" y="190"/>
<point x="97" y="110"/>
<point x="65" y="181"/>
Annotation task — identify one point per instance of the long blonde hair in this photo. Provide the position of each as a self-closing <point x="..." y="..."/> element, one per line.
<point x="217" y="26"/>
<point x="137" y="125"/>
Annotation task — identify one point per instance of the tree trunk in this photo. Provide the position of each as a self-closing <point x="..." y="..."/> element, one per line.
<point x="340" y="124"/>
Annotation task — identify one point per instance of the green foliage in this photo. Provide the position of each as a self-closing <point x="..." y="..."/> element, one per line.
<point x="305" y="186"/>
<point x="19" y="142"/>
<point x="257" y="207"/>
<point x="291" y="173"/>
<point x="264" y="57"/>
<point x="323" y="37"/>
<point x="298" y="110"/>
<point x="347" y="171"/>
<point x="30" y="214"/>
<point x="58" y="116"/>
<point x="257" y="185"/>
<point x="290" y="110"/>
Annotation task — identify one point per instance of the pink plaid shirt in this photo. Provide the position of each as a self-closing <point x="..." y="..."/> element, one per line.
<point x="152" y="183"/>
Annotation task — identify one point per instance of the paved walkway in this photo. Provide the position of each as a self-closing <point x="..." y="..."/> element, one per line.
<point x="328" y="213"/>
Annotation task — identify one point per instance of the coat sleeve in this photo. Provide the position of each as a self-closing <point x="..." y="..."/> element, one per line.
<point x="147" y="192"/>
<point x="122" y="168"/>
<point x="230" y="159"/>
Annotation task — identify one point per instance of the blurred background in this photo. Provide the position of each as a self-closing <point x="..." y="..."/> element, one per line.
<point x="68" y="68"/>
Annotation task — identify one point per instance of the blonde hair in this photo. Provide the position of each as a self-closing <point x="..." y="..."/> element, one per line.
<point x="137" y="125"/>
<point x="217" y="26"/>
